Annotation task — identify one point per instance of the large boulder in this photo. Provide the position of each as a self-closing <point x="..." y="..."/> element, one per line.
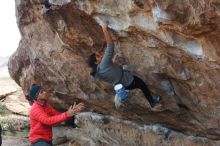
<point x="173" y="45"/>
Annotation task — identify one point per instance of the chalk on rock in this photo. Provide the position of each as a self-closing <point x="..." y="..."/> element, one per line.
<point x="59" y="2"/>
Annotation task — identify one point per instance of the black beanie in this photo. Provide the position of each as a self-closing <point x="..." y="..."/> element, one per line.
<point x="34" y="91"/>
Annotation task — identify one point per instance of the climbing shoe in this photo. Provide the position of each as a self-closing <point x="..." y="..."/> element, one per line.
<point x="157" y="106"/>
<point x="156" y="100"/>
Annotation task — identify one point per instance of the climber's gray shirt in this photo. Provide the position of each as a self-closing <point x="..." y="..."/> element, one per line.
<point x="110" y="72"/>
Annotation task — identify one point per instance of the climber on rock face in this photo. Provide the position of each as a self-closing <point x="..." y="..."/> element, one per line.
<point x="43" y="116"/>
<point x="104" y="69"/>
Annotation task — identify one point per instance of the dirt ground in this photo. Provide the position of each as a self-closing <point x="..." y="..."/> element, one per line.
<point x="14" y="112"/>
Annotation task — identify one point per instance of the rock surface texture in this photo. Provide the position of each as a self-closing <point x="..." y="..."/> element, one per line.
<point x="172" y="44"/>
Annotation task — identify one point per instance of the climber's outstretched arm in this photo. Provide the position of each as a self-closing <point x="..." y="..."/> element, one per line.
<point x="109" y="51"/>
<point x="108" y="37"/>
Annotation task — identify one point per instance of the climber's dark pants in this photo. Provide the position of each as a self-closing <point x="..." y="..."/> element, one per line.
<point x="139" y="83"/>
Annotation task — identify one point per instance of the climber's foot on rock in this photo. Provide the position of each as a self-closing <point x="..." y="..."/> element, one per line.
<point x="157" y="106"/>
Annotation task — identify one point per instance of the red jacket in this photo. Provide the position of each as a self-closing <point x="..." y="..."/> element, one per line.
<point x="42" y="117"/>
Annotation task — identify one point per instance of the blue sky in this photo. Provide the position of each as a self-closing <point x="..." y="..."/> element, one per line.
<point x="9" y="33"/>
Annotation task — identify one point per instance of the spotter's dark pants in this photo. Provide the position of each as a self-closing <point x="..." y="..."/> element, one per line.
<point x="41" y="142"/>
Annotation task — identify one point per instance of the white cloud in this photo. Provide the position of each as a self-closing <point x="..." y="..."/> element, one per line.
<point x="9" y="33"/>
